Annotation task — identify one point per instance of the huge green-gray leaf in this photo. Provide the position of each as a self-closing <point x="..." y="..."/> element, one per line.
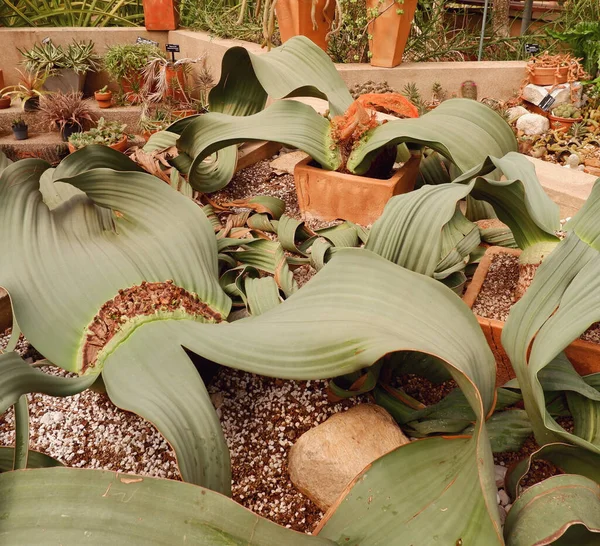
<point x="72" y="507"/>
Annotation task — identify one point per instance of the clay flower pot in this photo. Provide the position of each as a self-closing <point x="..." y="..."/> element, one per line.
<point x="294" y="19"/>
<point x="564" y="124"/>
<point x="547" y="76"/>
<point x="389" y="30"/>
<point x="184" y="113"/>
<point x="584" y="355"/>
<point x="104" y="99"/>
<point x="4" y="103"/>
<point x="175" y="88"/>
<point x="161" y="14"/>
<point x="120" y="146"/>
<point x="329" y="195"/>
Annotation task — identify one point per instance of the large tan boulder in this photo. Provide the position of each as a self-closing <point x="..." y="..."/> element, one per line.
<point x="328" y="457"/>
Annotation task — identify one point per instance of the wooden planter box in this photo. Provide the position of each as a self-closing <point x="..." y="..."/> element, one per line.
<point x="329" y="195"/>
<point x="584" y="355"/>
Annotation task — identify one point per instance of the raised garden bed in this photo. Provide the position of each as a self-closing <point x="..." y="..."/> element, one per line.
<point x="491" y="295"/>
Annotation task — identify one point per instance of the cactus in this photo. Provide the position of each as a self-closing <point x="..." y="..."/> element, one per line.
<point x="468" y="90"/>
<point x="369" y="87"/>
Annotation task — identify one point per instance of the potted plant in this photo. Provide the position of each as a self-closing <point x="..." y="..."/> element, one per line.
<point x="389" y="27"/>
<point x="563" y="116"/>
<point x="106" y="133"/>
<point x="67" y="113"/>
<point x="168" y="80"/>
<point x="103" y="97"/>
<point x="19" y="128"/>
<point x="161" y="14"/>
<point x="28" y="90"/>
<point x="549" y="69"/>
<point x="65" y="68"/>
<point x="311" y="18"/>
<point x="125" y="63"/>
<point x="5" y="101"/>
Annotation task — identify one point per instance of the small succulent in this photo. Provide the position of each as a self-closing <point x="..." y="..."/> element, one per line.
<point x="566" y="111"/>
<point x="468" y="90"/>
<point x="19" y="123"/>
<point x="106" y="133"/>
<point x="578" y="129"/>
<point x="370" y="87"/>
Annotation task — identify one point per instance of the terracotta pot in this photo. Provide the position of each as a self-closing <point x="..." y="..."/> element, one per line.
<point x="161" y="14"/>
<point x="564" y="124"/>
<point x="584" y="355"/>
<point x="4" y="103"/>
<point x="329" y="195"/>
<point x="293" y="17"/>
<point x="147" y="134"/>
<point x="104" y="100"/>
<point x="128" y="84"/>
<point x="390" y="30"/>
<point x="179" y="114"/>
<point x="548" y="76"/>
<point x="120" y="146"/>
<point x="174" y="89"/>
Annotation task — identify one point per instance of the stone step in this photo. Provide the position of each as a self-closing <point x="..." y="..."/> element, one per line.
<point x="125" y="114"/>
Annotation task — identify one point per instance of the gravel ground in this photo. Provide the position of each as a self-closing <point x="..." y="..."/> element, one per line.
<point x="262" y="418"/>
<point x="496" y="296"/>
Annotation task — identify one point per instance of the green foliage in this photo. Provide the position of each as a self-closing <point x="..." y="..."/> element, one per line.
<point x="18" y="123"/>
<point x="351" y="44"/>
<point x="106" y="133"/>
<point x="48" y="58"/>
<point x="122" y="61"/>
<point x="64" y="13"/>
<point x="584" y="39"/>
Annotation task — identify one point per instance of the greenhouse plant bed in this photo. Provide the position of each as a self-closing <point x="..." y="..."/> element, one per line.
<point x="584" y="355"/>
<point x="329" y="195"/>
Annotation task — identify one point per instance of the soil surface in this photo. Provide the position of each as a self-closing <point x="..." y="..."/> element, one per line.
<point x="261" y="419"/>
<point x="495" y="298"/>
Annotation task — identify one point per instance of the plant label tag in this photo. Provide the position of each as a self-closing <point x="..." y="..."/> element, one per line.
<point x="547" y="102"/>
<point x="141" y="40"/>
<point x="532" y="49"/>
<point x="46" y="40"/>
<point x="173" y="48"/>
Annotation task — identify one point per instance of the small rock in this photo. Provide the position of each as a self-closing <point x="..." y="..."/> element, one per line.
<point x="515" y="113"/>
<point x="328" y="457"/>
<point x="533" y="124"/>
<point x="561" y="93"/>
<point x="504" y="498"/>
<point x="286" y="163"/>
<point x="500" y="472"/>
<point x="52" y="417"/>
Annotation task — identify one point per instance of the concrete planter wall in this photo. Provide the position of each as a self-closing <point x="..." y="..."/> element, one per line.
<point x="494" y="79"/>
